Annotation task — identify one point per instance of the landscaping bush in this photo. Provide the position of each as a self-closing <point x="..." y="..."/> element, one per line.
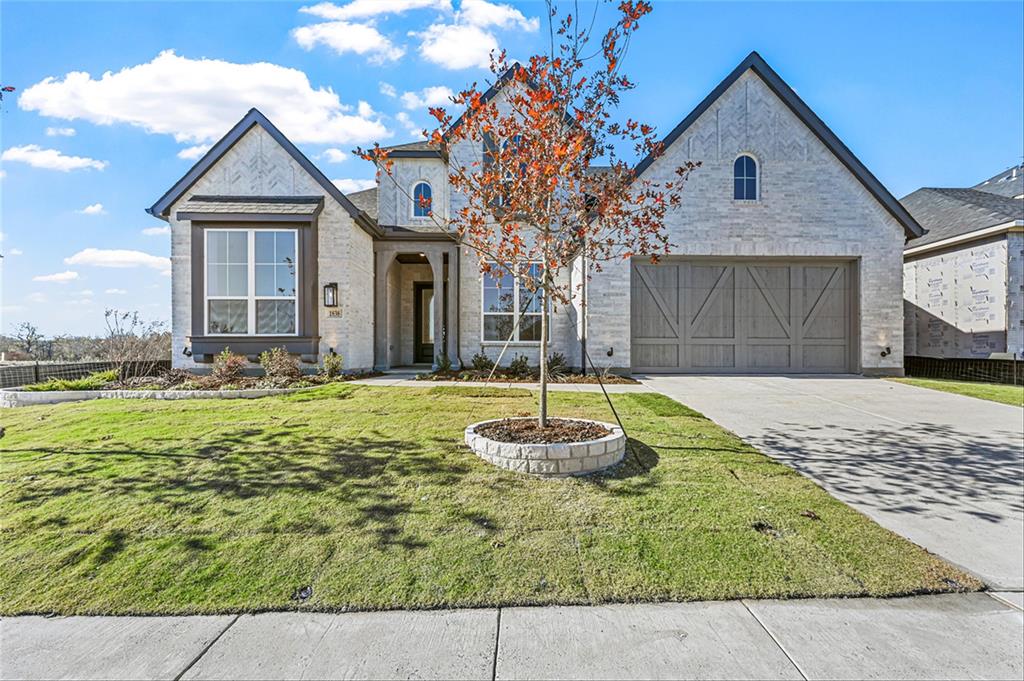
<point x="280" y="368"/>
<point x="94" y="381"/>
<point x="481" y="362"/>
<point x="558" y="366"/>
<point x="228" y="367"/>
<point x="444" y="364"/>
<point x="520" y="367"/>
<point x="332" y="365"/>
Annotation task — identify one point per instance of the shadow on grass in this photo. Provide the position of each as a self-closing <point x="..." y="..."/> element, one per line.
<point x="362" y="476"/>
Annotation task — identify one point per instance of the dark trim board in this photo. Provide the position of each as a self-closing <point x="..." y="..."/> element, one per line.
<point x="246" y="217"/>
<point x="759" y="66"/>
<point x="204" y="348"/>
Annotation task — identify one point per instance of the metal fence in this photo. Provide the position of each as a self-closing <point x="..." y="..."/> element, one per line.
<point x="25" y="373"/>
<point x="1010" y="371"/>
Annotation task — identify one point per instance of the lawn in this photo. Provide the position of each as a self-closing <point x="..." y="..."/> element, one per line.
<point x="368" y="495"/>
<point x="995" y="392"/>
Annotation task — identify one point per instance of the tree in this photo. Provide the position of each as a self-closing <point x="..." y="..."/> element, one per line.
<point x="524" y="165"/>
<point x="132" y="344"/>
<point x="29" y="337"/>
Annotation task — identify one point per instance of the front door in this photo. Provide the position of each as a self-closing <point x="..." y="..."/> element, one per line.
<point x="423" y="337"/>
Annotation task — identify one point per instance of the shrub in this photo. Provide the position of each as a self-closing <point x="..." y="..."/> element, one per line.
<point x="94" y="381"/>
<point x="520" y="367"/>
<point x="444" y="364"/>
<point x="332" y="365"/>
<point x="558" y="366"/>
<point x="279" y="366"/>
<point x="481" y="362"/>
<point x="227" y="366"/>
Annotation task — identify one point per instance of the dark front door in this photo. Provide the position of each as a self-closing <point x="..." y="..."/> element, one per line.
<point x="423" y="323"/>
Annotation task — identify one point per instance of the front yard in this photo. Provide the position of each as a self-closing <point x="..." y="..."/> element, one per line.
<point x="368" y="496"/>
<point x="994" y="392"/>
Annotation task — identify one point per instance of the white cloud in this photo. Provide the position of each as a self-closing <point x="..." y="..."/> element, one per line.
<point x="3" y="174"/>
<point x="436" y="95"/>
<point x="409" y="125"/>
<point x="93" y="209"/>
<point x="345" y="36"/>
<point x="482" y="13"/>
<point x="468" y="41"/>
<point x="157" y="231"/>
<point x="388" y="90"/>
<point x="198" y="100"/>
<point x="334" y="155"/>
<point x="119" y="258"/>
<point x="60" y="132"/>
<point x="36" y="297"/>
<point x="57" y="278"/>
<point x="193" y="153"/>
<point x="457" y="46"/>
<point x="363" y="9"/>
<point x="347" y="186"/>
<point x="115" y="291"/>
<point x="50" y="159"/>
<point x="15" y="251"/>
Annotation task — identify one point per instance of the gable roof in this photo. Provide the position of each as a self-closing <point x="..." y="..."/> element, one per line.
<point x="366" y="201"/>
<point x="1010" y="182"/>
<point x="420" y="149"/>
<point x="163" y="205"/>
<point x="759" y="66"/>
<point x="948" y="213"/>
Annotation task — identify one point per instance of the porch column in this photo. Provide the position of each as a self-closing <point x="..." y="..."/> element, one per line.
<point x="382" y="264"/>
<point x="436" y="259"/>
<point x="453" y="308"/>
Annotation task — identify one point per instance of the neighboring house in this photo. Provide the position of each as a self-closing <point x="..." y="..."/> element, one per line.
<point x="786" y="256"/>
<point x="963" y="281"/>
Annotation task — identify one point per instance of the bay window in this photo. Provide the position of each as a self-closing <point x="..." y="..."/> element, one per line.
<point x="251" y="282"/>
<point x="507" y="301"/>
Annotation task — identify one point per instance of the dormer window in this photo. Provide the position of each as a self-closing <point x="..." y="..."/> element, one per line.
<point x="744" y="173"/>
<point x="422" y="198"/>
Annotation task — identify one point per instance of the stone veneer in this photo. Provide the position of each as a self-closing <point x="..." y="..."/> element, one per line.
<point x="550" y="460"/>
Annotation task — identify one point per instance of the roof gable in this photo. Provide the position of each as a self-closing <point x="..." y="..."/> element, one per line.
<point x="161" y="208"/>
<point x="755" y="63"/>
<point x="953" y="212"/>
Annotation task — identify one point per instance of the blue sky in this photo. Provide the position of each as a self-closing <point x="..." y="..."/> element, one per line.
<point x="925" y="94"/>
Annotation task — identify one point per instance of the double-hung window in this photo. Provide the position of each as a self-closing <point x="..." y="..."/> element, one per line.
<point x="506" y="301"/>
<point x="251" y="282"/>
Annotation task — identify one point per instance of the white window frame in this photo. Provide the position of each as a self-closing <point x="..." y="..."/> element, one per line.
<point x="251" y="296"/>
<point x="412" y="202"/>
<point x="516" y="313"/>
<point x="757" y="177"/>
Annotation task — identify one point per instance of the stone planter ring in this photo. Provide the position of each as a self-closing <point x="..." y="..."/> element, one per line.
<point x="550" y="460"/>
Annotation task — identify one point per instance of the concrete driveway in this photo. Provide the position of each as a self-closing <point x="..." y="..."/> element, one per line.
<point x="943" y="470"/>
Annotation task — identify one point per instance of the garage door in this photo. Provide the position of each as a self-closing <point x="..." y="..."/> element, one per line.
<point x="738" y="316"/>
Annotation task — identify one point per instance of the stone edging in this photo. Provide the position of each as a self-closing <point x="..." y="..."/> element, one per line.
<point x="24" y="398"/>
<point x="550" y="460"/>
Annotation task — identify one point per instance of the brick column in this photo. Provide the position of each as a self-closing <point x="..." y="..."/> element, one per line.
<point x="453" y="308"/>
<point x="436" y="259"/>
<point x="382" y="264"/>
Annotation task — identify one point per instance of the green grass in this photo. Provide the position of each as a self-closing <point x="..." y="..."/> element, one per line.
<point x="94" y="381"/>
<point x="369" y="495"/>
<point x="995" y="392"/>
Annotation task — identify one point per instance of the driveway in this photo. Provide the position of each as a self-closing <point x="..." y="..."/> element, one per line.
<point x="943" y="470"/>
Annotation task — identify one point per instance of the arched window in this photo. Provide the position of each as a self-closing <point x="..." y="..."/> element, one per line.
<point x="744" y="174"/>
<point x="421" y="200"/>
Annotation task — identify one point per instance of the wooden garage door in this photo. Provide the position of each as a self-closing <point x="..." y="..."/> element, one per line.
<point x="742" y="317"/>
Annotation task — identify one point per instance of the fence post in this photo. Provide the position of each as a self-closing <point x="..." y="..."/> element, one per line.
<point x="35" y="372"/>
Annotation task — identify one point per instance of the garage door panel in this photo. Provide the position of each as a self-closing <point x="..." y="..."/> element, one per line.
<point x="736" y="316"/>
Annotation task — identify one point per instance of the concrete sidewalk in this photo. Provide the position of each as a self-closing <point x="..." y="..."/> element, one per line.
<point x="959" y="636"/>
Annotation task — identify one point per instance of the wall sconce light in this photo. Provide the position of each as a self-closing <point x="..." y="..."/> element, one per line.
<point x="331" y="295"/>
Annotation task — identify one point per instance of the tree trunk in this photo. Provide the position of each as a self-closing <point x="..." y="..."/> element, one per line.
<point x="545" y="308"/>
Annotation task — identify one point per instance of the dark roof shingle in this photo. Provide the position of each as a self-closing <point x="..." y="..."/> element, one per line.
<point x="1010" y="183"/>
<point x="365" y="200"/>
<point x="947" y="213"/>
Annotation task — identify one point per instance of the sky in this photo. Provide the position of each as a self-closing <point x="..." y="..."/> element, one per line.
<point x="116" y="101"/>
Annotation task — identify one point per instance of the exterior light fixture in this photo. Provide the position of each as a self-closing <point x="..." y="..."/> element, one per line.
<point x="331" y="294"/>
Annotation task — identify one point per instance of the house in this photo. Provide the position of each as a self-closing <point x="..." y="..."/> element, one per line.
<point x="786" y="256"/>
<point x="963" y="281"/>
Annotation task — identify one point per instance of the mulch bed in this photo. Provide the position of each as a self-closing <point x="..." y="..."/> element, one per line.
<point x="527" y="431"/>
<point x="502" y="377"/>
